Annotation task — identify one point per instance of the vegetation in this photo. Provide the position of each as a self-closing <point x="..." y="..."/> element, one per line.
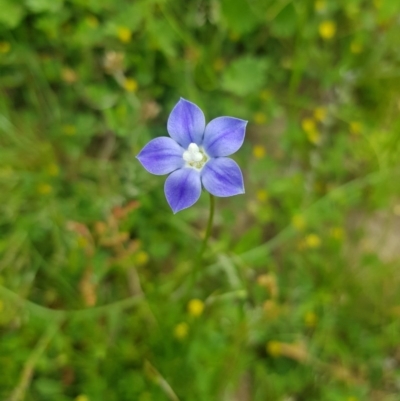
<point x="297" y="297"/>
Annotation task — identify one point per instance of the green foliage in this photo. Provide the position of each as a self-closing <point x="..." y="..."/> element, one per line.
<point x="245" y="76"/>
<point x="299" y="285"/>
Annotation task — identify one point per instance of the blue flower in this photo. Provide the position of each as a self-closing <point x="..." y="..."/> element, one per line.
<point x="195" y="155"/>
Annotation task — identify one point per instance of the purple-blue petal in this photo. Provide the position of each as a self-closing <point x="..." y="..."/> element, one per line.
<point x="222" y="177"/>
<point x="186" y="123"/>
<point x="161" y="156"/>
<point x="223" y="136"/>
<point x="182" y="188"/>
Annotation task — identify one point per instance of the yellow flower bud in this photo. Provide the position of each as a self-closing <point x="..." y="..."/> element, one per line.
<point x="274" y="348"/>
<point x="327" y="29"/>
<point x="308" y="124"/>
<point x="262" y="195"/>
<point x="124" y="34"/>
<point x="314" y="137"/>
<point x="130" y="85"/>
<point x="320" y="113"/>
<point x="195" y="307"/>
<point x="141" y="258"/>
<point x="259" y="151"/>
<point x="312" y="241"/>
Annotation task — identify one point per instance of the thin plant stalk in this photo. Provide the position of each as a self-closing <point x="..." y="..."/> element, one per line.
<point x="204" y="244"/>
<point x="208" y="229"/>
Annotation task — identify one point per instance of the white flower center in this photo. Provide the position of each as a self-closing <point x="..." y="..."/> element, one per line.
<point x="195" y="157"/>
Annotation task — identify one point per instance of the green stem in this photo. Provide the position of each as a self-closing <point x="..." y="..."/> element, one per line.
<point x="203" y="247"/>
<point x="208" y="229"/>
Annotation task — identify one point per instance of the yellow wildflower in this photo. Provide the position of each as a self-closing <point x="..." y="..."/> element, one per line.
<point x="308" y="124"/>
<point x="141" y="258"/>
<point x="262" y="195"/>
<point x="195" y="307"/>
<point x="320" y="113"/>
<point x="310" y="319"/>
<point x="259" y="151"/>
<point x="274" y="348"/>
<point x="44" y="189"/>
<point x="130" y="85"/>
<point x="356" y="47"/>
<point x="355" y="127"/>
<point x="314" y="137"/>
<point x="92" y="21"/>
<point x="69" y="130"/>
<point x="5" y="47"/>
<point x="327" y="29"/>
<point x="82" y="397"/>
<point x="260" y="118"/>
<point x="298" y="222"/>
<point x="181" y="331"/>
<point x="124" y="34"/>
<point x="312" y="241"/>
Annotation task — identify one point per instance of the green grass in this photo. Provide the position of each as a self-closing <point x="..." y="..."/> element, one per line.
<point x="300" y="280"/>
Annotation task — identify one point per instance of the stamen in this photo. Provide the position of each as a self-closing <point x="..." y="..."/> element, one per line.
<point x="187" y="156"/>
<point x="193" y="148"/>
<point x="194" y="156"/>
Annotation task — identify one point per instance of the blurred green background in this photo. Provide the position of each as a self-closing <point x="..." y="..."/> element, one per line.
<point x="298" y="297"/>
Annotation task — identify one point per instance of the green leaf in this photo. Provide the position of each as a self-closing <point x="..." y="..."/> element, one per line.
<point x="245" y="75"/>
<point x="38" y="6"/>
<point x="285" y="23"/>
<point x="239" y="16"/>
<point x="11" y="13"/>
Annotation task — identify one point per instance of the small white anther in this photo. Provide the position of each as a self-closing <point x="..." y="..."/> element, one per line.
<point x="193" y="148"/>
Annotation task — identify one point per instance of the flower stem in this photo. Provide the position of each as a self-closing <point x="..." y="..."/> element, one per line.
<point x="208" y="229"/>
<point x="203" y="247"/>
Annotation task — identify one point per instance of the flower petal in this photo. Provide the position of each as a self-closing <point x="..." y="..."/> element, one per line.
<point x="182" y="188"/>
<point x="186" y="123"/>
<point x="224" y="136"/>
<point x="222" y="177"/>
<point x="161" y="156"/>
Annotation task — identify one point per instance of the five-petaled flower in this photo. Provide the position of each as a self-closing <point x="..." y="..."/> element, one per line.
<point x="195" y="155"/>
